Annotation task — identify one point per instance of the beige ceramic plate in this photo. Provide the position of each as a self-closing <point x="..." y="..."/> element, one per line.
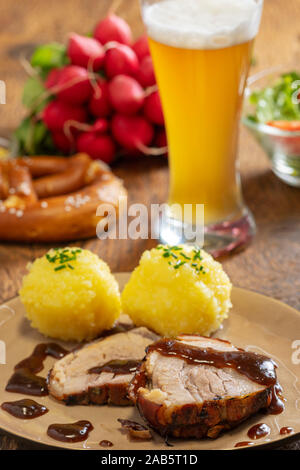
<point x="256" y="323"/>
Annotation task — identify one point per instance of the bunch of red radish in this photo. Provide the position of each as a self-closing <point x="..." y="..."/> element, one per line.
<point x="106" y="100"/>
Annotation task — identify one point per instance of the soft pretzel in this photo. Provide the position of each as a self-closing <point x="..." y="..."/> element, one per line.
<point x="71" y="179"/>
<point x="53" y="199"/>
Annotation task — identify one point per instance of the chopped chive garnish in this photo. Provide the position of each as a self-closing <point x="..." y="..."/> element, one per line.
<point x="178" y="264"/>
<point x="58" y="268"/>
<point x="181" y="258"/>
<point x="184" y="256"/>
<point x="63" y="257"/>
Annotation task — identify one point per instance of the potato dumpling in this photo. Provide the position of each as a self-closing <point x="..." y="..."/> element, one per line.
<point x="176" y="290"/>
<point x="70" y="294"/>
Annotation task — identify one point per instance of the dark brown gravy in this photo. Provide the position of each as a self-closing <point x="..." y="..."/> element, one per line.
<point x="286" y="430"/>
<point x="72" y="432"/>
<point x="277" y="406"/>
<point x="24" y="409"/>
<point x="35" y="361"/>
<point x="258" y="431"/>
<point x="244" y="444"/>
<point x="24" y="380"/>
<point x="258" y="368"/>
<point x="105" y="443"/>
<point x="116" y="367"/>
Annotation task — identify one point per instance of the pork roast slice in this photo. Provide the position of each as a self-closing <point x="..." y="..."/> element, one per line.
<point x="100" y="372"/>
<point x="181" y="397"/>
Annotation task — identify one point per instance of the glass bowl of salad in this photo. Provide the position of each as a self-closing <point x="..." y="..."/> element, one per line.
<point x="272" y="114"/>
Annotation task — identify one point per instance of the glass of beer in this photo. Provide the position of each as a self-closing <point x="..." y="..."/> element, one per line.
<point x="202" y="51"/>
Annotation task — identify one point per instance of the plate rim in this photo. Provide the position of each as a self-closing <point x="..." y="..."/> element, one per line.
<point x="262" y="446"/>
<point x="257" y="446"/>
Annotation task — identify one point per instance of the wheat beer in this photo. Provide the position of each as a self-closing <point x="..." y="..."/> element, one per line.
<point x="202" y="51"/>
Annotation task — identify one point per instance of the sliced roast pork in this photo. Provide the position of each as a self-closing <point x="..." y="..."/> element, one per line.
<point x="194" y="386"/>
<point x="100" y="372"/>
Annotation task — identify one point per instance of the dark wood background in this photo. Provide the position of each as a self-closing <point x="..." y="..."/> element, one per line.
<point x="271" y="264"/>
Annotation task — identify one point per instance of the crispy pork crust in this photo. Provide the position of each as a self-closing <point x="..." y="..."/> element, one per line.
<point x="111" y="394"/>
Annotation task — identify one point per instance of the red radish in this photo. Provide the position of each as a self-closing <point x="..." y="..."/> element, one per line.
<point x="121" y="59"/>
<point x="153" y="109"/>
<point x="132" y="132"/>
<point x="99" y="104"/>
<point x="73" y="128"/>
<point x="100" y="126"/>
<point x="62" y="142"/>
<point x="113" y="28"/>
<point x="52" y="78"/>
<point x="146" y="75"/>
<point x="57" y="113"/>
<point x="99" y="147"/>
<point x="141" y="47"/>
<point x="160" y="140"/>
<point x="86" y="52"/>
<point x="73" y="85"/>
<point x="126" y="94"/>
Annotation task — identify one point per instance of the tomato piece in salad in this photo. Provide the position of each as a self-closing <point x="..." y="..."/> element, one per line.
<point x="285" y="125"/>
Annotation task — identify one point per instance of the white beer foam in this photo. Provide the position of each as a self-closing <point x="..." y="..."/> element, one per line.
<point x="203" y="24"/>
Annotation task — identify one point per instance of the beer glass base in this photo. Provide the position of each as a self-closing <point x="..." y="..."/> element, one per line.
<point x="219" y="239"/>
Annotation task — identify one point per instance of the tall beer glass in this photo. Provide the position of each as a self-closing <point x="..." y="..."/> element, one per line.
<point x="202" y="51"/>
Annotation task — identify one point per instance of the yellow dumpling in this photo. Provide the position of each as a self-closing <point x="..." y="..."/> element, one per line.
<point x="70" y="294"/>
<point x="178" y="290"/>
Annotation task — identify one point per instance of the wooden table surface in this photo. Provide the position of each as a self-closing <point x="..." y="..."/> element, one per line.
<point x="271" y="264"/>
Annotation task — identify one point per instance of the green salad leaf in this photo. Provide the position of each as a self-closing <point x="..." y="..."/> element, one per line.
<point x="33" y="93"/>
<point x="278" y="101"/>
<point x="32" y="138"/>
<point x="48" y="56"/>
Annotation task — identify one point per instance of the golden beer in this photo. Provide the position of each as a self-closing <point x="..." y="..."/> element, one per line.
<point x="201" y="51"/>
<point x="201" y="92"/>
